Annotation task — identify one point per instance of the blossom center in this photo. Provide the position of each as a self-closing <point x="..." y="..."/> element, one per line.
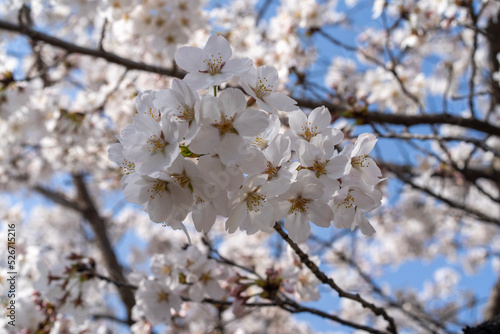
<point x="156" y="144"/>
<point x="261" y="142"/>
<point x="158" y="188"/>
<point x="360" y="161"/>
<point x="263" y="88"/>
<point x="254" y="201"/>
<point x="348" y="202"/>
<point x="185" y="114"/>
<point x="225" y="125"/>
<point x="205" y="277"/>
<point x="162" y="297"/>
<point x="213" y="64"/>
<point x="299" y="204"/>
<point x="272" y="170"/>
<point x="182" y="179"/>
<point x="166" y="270"/>
<point x="156" y="115"/>
<point x="319" y="167"/>
<point x="308" y="132"/>
<point x="128" y="166"/>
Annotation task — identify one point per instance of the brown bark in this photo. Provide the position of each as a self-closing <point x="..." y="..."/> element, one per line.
<point x="98" y="224"/>
<point x="492" y="309"/>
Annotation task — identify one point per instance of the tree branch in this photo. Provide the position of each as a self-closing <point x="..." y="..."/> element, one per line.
<point x="98" y="224"/>
<point x="36" y="35"/>
<point x="398" y="171"/>
<point x="304" y="258"/>
<point x="372" y="116"/>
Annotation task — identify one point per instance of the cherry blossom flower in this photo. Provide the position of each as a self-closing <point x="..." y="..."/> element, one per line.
<point x="207" y="204"/>
<point x="203" y="280"/>
<point x="164" y="201"/>
<point x="165" y="267"/>
<point x="304" y="127"/>
<point x="250" y="209"/>
<point x="225" y="120"/>
<point x="211" y="65"/>
<point x="302" y="203"/>
<point x="115" y="153"/>
<point x="181" y="104"/>
<point x="364" y="168"/>
<point x="305" y="284"/>
<point x="320" y="157"/>
<point x="155" y="300"/>
<point x="261" y="84"/>
<point x="151" y="142"/>
<point x="262" y="140"/>
<point x="349" y="206"/>
<point x="280" y="171"/>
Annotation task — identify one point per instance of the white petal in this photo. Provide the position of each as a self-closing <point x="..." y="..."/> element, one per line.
<point x="275" y="187"/>
<point x="313" y="188"/>
<point x="306" y="153"/>
<point x="371" y="173"/>
<point x="190" y="59"/>
<point x="320" y="213"/>
<point x="251" y="122"/>
<point x="338" y="167"/>
<point x="362" y="199"/>
<point x="115" y="153"/>
<point x="334" y="135"/>
<point x="205" y="141"/>
<point x="279" y="150"/>
<point x="233" y="100"/>
<point x="298" y="227"/>
<point x="270" y="73"/>
<point x="232" y="149"/>
<point x="218" y="45"/>
<point x="159" y="208"/>
<point x="248" y="81"/>
<point x="364" y="225"/>
<point x="364" y="144"/>
<point x="281" y="209"/>
<point x="320" y="118"/>
<point x="237" y="66"/>
<point x="197" y="80"/>
<point x="297" y="120"/>
<point x="196" y="292"/>
<point x="204" y="218"/>
<point x="330" y="186"/>
<point x="343" y="217"/>
<point x="281" y="102"/>
<point x="255" y="162"/>
<point x="236" y="217"/>
<point x="264" y="218"/>
<point x="211" y="110"/>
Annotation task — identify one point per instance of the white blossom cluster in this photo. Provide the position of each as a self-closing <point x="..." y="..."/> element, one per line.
<point x="216" y="155"/>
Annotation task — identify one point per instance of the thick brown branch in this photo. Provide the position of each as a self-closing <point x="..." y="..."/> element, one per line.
<point x="409" y="136"/>
<point x="493" y="308"/>
<point x="86" y="207"/>
<point x="57" y="198"/>
<point x="73" y="48"/>
<point x="406" y="120"/>
<point x="98" y="224"/>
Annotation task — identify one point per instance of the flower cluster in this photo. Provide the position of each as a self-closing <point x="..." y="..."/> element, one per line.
<point x="217" y="154"/>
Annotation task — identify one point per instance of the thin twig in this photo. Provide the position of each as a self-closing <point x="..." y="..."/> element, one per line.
<point x="327" y="280"/>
